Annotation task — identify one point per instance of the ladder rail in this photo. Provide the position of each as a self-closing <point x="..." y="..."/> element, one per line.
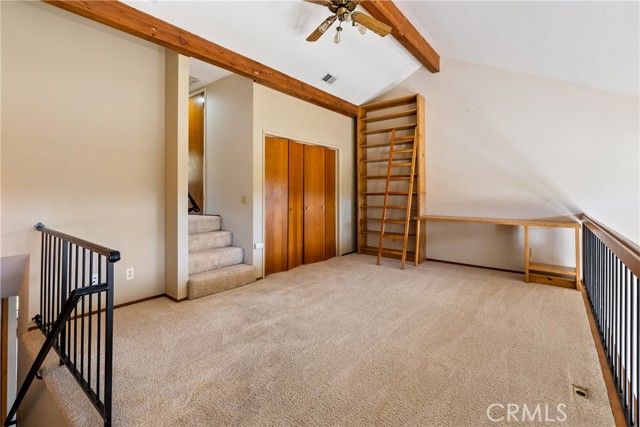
<point x="386" y="197"/>
<point x="409" y="200"/>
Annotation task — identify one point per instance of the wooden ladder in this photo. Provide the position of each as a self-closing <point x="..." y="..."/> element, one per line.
<point x="393" y="163"/>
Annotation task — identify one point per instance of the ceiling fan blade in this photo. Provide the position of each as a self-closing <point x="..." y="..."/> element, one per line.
<point x="320" y="2"/>
<point x="372" y="24"/>
<point x="322" y="28"/>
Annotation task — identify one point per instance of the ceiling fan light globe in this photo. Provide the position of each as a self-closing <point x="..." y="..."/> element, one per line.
<point x="362" y="29"/>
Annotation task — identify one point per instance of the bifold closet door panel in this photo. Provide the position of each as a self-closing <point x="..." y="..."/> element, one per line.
<point x="330" y="199"/>
<point x="296" y="204"/>
<point x="314" y="204"/>
<point x="276" y="177"/>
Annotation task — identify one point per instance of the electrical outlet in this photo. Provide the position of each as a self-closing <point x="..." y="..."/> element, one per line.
<point x="94" y="279"/>
<point x="129" y="272"/>
<point x="243" y="200"/>
<point x="258" y="246"/>
<point x="530" y="252"/>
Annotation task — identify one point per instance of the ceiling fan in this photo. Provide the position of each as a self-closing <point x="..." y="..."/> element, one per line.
<point x="344" y="11"/>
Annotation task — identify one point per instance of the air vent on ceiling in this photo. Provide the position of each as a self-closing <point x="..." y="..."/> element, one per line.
<point x="193" y="80"/>
<point x="329" y="78"/>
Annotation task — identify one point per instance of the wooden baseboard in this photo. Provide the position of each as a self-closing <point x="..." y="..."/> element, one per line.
<point x="614" y="398"/>
<point x="124" y="304"/>
<point x="475" y="266"/>
<point x="172" y="298"/>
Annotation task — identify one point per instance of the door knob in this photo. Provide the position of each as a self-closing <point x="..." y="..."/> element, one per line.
<point x="321" y="207"/>
<point x="306" y="208"/>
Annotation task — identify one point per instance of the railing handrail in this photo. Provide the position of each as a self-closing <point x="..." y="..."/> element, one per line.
<point x="623" y="248"/>
<point x="111" y="254"/>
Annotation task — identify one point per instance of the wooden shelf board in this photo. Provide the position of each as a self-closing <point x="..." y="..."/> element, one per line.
<point x="389" y="129"/>
<point x="387" y="253"/>
<point x="392" y="116"/>
<point x="388" y="207"/>
<point x="553" y="281"/>
<point x="374" y="106"/>
<point x="392" y="178"/>
<point x="403" y="141"/>
<point x="548" y="268"/>
<point x="388" y="234"/>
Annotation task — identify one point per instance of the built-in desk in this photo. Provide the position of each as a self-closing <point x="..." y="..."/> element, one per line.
<point x="568" y="277"/>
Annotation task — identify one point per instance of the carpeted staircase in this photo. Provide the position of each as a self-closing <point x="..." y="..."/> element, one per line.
<point x="214" y="265"/>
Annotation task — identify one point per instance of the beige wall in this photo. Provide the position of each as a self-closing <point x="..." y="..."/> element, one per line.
<point x="82" y="141"/>
<point x="228" y="162"/>
<point x="507" y="144"/>
<point x="281" y="115"/>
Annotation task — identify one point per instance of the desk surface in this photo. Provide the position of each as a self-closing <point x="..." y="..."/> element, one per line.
<point x="503" y="221"/>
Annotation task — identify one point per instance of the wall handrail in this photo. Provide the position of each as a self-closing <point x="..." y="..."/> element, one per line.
<point x="623" y="248"/>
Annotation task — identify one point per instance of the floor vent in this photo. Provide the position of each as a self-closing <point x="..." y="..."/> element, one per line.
<point x="581" y="391"/>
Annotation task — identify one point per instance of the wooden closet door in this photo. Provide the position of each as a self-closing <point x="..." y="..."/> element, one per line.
<point x="296" y="204"/>
<point x="276" y="178"/>
<point x="330" y="200"/>
<point x="314" y="204"/>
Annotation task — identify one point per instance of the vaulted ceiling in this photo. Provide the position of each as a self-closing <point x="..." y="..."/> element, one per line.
<point x="590" y="43"/>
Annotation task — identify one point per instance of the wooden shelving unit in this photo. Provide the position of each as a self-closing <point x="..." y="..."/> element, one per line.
<point x="403" y="120"/>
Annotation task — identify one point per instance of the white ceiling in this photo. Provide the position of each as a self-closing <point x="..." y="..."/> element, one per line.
<point x="595" y="43"/>
<point x="274" y="33"/>
<point x="204" y="72"/>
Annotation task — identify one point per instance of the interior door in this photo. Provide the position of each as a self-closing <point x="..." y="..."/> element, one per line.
<point x="276" y="202"/>
<point x="330" y="199"/>
<point x="314" y="204"/>
<point x="296" y="205"/>
<point x="196" y="150"/>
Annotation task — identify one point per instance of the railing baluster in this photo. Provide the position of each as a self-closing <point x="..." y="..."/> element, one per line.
<point x="99" y="328"/>
<point x="90" y="341"/>
<point x="65" y="285"/>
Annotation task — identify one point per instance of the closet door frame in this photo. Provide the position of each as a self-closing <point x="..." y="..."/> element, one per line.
<point x="304" y="141"/>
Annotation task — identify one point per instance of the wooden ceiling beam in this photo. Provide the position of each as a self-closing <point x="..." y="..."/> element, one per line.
<point x="386" y="11"/>
<point x="130" y="20"/>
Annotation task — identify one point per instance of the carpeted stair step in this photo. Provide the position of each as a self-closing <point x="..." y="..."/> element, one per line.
<point x="204" y="223"/>
<point x="212" y="282"/>
<point x="211" y="240"/>
<point x="215" y="259"/>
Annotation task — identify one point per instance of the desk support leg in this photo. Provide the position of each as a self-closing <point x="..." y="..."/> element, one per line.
<point x="526" y="253"/>
<point x="578" y="277"/>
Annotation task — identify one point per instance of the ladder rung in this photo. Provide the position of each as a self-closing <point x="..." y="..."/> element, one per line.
<point x="375" y="161"/>
<point x="398" y="141"/>
<point x="400" y="165"/>
<point x="408" y="150"/>
<point x="387" y="130"/>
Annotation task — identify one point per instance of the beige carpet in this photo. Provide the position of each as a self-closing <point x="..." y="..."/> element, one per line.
<point x="349" y="343"/>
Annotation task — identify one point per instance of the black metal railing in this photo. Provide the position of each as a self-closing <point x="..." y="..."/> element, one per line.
<point x="76" y="316"/>
<point x="611" y="269"/>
